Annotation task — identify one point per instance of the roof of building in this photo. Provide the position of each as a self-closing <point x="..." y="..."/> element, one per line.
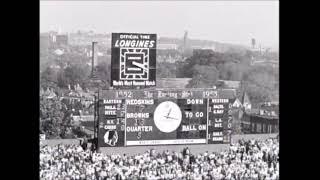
<point x="48" y="93"/>
<point x="256" y="113"/>
<point x="59" y="52"/>
<point x="235" y="100"/>
<point x="230" y="84"/>
<point x="245" y="99"/>
<point x="172" y="82"/>
<point x="227" y="93"/>
<point x="167" y="46"/>
<point x="51" y="95"/>
<point x="265" y="116"/>
<point x="87" y="118"/>
<point x="252" y="111"/>
<point x="164" y="40"/>
<point x="83" y="118"/>
<point x="271" y="103"/>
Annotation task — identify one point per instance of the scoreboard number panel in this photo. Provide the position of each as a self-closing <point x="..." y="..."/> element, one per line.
<point x="111" y="123"/>
<point x="219" y="120"/>
<point x="163" y="117"/>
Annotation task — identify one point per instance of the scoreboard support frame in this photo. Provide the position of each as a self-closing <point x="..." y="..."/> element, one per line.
<point x="95" y="135"/>
<point x="98" y="122"/>
<point x="125" y="125"/>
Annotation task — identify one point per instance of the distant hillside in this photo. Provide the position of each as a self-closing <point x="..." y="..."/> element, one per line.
<point x="76" y="38"/>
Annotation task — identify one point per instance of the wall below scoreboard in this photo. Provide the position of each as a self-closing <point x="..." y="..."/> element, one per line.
<point x="166" y="142"/>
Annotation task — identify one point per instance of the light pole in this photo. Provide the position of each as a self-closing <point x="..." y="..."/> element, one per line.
<point x="96" y="118"/>
<point x="95" y="82"/>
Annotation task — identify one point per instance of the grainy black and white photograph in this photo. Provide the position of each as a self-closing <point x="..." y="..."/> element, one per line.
<point x="185" y="90"/>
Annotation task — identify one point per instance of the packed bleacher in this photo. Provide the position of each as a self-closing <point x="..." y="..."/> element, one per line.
<point x="253" y="159"/>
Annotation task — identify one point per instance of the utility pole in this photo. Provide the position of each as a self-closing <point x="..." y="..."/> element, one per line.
<point x="95" y="81"/>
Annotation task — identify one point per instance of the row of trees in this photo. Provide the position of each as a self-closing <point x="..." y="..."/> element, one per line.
<point x="55" y="119"/>
<point x="58" y="73"/>
<point x="206" y="67"/>
<point x="73" y="74"/>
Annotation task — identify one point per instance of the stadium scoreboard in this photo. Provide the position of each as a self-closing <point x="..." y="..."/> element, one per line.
<point x="163" y="117"/>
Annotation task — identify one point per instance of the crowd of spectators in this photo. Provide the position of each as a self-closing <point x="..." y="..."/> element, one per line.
<point x="253" y="159"/>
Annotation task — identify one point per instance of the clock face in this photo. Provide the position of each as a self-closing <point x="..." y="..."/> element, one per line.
<point x="134" y="64"/>
<point x="167" y="116"/>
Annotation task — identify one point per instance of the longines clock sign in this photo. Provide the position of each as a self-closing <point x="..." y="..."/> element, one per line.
<point x="163" y="116"/>
<point x="133" y="60"/>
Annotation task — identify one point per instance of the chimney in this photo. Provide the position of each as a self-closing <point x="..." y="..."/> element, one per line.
<point x="94" y="58"/>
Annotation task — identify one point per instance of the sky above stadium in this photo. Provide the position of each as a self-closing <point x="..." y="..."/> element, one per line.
<point x="229" y="21"/>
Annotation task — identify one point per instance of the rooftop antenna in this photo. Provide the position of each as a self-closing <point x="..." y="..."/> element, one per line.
<point x="185" y="39"/>
<point x="253" y="43"/>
